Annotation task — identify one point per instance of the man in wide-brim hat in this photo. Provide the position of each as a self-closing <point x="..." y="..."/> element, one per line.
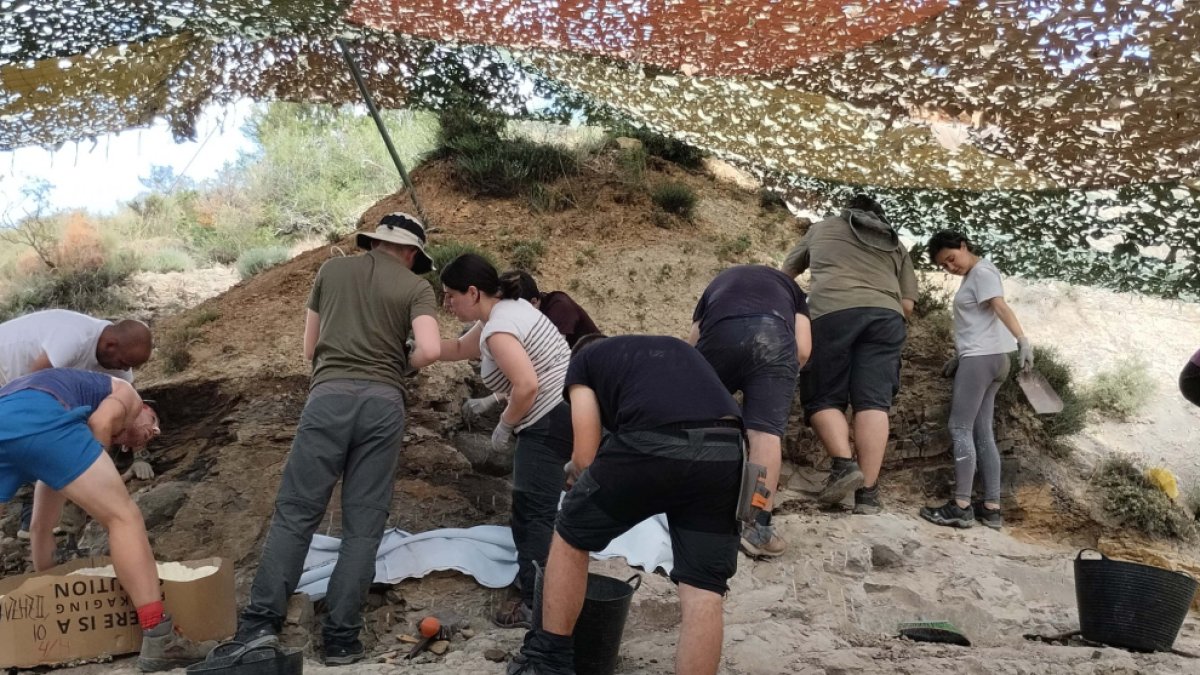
<point x="400" y="229"/>
<point x="362" y="311"/>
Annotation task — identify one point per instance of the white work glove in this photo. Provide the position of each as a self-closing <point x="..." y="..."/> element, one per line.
<point x="571" y="473"/>
<point x="474" y="408"/>
<point x="950" y="368"/>
<point x="142" y="470"/>
<point x="1025" y="353"/>
<point x="502" y="436"/>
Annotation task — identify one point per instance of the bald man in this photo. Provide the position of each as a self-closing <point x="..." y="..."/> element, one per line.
<point x="60" y="338"/>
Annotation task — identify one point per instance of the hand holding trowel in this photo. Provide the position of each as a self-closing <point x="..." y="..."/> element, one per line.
<point x="1039" y="393"/>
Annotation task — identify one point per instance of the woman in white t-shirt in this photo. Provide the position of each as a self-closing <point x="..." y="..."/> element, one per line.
<point x="986" y="331"/>
<point x="524" y="358"/>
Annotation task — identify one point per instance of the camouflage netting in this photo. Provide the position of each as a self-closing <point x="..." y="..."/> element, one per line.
<point x="1039" y="125"/>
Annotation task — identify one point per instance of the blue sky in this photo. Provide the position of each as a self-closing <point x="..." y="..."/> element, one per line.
<point x="100" y="176"/>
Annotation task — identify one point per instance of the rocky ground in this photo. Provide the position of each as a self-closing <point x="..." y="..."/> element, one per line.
<point x="830" y="605"/>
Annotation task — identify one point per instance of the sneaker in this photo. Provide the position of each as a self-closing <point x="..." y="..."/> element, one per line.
<point x="989" y="517"/>
<point x="522" y="666"/>
<point x="23" y="535"/>
<point x="866" y="501"/>
<point x="949" y="514"/>
<point x="761" y="541"/>
<point x="517" y="615"/>
<point x="338" y="654"/>
<point x="165" y="649"/>
<point x="841" y="482"/>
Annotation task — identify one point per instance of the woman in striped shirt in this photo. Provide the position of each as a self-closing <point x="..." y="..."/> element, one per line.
<point x="525" y="358"/>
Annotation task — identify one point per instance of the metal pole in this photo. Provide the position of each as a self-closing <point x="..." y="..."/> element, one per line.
<point x="387" y="139"/>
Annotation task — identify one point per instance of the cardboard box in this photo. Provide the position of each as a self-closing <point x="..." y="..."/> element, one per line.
<point x="52" y="617"/>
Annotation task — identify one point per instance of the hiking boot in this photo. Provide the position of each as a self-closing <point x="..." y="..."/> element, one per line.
<point x="949" y="514"/>
<point x="339" y="654"/>
<point x="866" y="501"/>
<point x="517" y="615"/>
<point x="165" y="649"/>
<point x="761" y="541"/>
<point x="844" y="478"/>
<point x="989" y="517"/>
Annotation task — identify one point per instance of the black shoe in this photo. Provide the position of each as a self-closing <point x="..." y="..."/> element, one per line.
<point x="989" y="517"/>
<point x="248" y="637"/>
<point x="949" y="514"/>
<point x="866" y="501"/>
<point x="338" y="654"/>
<point x="841" y="482"/>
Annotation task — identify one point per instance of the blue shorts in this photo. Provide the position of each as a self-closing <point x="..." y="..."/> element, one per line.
<point x="42" y="440"/>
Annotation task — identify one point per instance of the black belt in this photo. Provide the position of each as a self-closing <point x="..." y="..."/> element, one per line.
<point x="714" y="424"/>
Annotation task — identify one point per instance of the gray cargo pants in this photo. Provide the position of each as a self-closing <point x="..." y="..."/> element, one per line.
<point x="350" y="429"/>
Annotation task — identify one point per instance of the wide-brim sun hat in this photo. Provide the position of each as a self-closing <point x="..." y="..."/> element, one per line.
<point x="400" y="228"/>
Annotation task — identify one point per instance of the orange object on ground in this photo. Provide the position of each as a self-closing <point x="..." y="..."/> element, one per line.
<point x="430" y="626"/>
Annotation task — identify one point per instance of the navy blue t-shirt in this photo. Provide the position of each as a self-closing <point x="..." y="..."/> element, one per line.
<point x="750" y="290"/>
<point x="648" y="381"/>
<point x="72" y="387"/>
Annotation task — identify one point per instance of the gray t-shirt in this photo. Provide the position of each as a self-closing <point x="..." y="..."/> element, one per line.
<point x="978" y="330"/>
<point x="546" y="347"/>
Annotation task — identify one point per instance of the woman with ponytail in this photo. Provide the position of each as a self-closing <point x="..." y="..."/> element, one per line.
<point x="524" y="358"/>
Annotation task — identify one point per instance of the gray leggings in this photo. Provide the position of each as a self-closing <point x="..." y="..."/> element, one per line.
<point x="975" y="385"/>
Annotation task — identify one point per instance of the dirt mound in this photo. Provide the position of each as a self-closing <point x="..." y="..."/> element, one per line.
<point x="229" y="418"/>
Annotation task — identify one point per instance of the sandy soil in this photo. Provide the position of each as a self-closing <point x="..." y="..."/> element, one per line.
<point x="830" y="605"/>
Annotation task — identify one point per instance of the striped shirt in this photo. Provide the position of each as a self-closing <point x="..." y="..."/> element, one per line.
<point x="546" y="347"/>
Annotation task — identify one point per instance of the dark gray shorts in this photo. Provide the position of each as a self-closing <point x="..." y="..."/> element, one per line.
<point x="755" y="355"/>
<point x="641" y="474"/>
<point x="855" y="360"/>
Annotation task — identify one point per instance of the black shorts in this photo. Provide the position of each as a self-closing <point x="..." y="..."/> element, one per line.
<point x="755" y="355"/>
<point x="855" y="360"/>
<point x="691" y="476"/>
<point x="1189" y="383"/>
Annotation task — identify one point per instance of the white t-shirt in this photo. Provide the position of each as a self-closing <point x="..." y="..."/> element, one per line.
<point x="546" y="347"/>
<point x="978" y="330"/>
<point x="67" y="338"/>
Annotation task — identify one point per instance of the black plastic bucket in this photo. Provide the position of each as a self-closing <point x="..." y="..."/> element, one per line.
<point x="597" y="636"/>
<point x="1129" y="605"/>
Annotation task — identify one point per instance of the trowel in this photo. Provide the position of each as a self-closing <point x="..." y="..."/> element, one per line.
<point x="1039" y="393"/>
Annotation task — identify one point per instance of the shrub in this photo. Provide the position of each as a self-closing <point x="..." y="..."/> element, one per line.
<point x="87" y="290"/>
<point x="256" y="260"/>
<point x="491" y="165"/>
<point x="1122" y="392"/>
<point x="525" y="254"/>
<point x="168" y="260"/>
<point x="675" y="198"/>
<point x="670" y="149"/>
<point x="770" y="200"/>
<point x="1134" y="501"/>
<point x="931" y="297"/>
<point x="504" y="168"/>
<point x="730" y="250"/>
<point x="204" y="316"/>
<point x="174" y="350"/>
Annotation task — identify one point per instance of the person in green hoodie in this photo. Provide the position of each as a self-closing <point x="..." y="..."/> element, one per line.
<point x="863" y="289"/>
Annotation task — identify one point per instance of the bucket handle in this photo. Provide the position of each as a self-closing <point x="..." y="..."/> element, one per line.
<point x="635" y="581"/>
<point x="1085" y="550"/>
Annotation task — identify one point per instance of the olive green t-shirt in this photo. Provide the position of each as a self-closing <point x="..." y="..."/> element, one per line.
<point x="367" y="304"/>
<point x="846" y="273"/>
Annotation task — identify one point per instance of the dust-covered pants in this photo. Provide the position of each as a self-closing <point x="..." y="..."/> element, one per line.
<point x="350" y="429"/>
<point x="542" y="449"/>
